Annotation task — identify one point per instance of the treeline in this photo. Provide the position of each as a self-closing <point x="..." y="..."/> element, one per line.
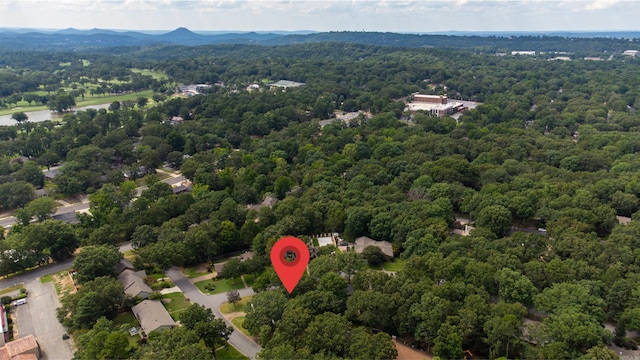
<point x="552" y="146"/>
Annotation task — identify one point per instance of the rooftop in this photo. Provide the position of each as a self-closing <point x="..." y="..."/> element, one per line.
<point x="287" y="84"/>
<point x="21" y="345"/>
<point x="152" y="316"/>
<point x="363" y="241"/>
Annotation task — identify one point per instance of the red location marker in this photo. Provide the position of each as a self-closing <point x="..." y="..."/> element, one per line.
<point x="289" y="257"/>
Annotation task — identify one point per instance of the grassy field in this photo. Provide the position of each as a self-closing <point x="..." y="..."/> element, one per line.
<point x="231" y="353"/>
<point x="177" y="303"/>
<point x="10" y="289"/>
<point x="46" y="279"/>
<point x="222" y="286"/>
<point x="158" y="75"/>
<point x="88" y="100"/>
<point x="228" y="308"/>
<point x="397" y="265"/>
<point x="237" y="322"/>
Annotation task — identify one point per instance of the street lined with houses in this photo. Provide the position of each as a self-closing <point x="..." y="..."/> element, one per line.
<point x="237" y="339"/>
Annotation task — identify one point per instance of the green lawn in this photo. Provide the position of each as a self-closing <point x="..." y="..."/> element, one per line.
<point x="46" y="279"/>
<point x="176" y="304"/>
<point x="192" y="272"/>
<point x="10" y="289"/>
<point x="231" y="354"/>
<point x="158" y="75"/>
<point x="126" y="318"/>
<point x="237" y="322"/>
<point x="228" y="308"/>
<point x="397" y="265"/>
<point x="222" y="286"/>
<point x="249" y="279"/>
<point x="315" y="242"/>
<point x="374" y="267"/>
<point x="88" y="100"/>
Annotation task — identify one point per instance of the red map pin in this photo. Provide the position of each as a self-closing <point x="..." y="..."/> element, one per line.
<point x="289" y="257"/>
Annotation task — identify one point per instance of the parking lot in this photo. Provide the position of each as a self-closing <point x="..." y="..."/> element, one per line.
<point x="38" y="317"/>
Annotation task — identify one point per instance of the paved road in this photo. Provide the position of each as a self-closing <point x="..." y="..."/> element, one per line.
<point x="33" y="274"/>
<point x="213" y="302"/>
<point x="83" y="206"/>
<point x="46" y="270"/>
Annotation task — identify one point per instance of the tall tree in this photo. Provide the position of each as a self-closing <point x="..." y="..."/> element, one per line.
<point x="95" y="261"/>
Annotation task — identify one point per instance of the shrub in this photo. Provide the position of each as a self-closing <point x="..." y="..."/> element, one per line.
<point x="6" y="300"/>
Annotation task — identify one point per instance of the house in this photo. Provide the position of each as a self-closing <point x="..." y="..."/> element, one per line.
<point x="4" y="327"/>
<point x="176" y="120"/>
<point x="285" y="84"/>
<point x="25" y="348"/>
<point x="68" y="217"/>
<point x="362" y="242"/>
<point x="526" y="53"/>
<point x="247" y="255"/>
<point x="268" y="201"/>
<point x="192" y="89"/>
<point x="634" y="53"/>
<point x="153" y="316"/>
<point x="51" y="174"/>
<point x="123" y="265"/>
<point x="182" y="188"/>
<point x="133" y="283"/>
<point x="253" y="87"/>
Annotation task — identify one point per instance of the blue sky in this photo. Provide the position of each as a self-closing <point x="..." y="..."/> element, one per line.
<point x="351" y="15"/>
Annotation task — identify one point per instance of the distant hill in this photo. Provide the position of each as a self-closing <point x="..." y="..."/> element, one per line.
<point x="73" y="39"/>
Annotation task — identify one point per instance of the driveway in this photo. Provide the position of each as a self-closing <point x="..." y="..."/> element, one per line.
<point x="38" y="318"/>
<point x="213" y="302"/>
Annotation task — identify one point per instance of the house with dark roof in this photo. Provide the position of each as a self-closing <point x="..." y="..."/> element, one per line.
<point x="69" y="217"/>
<point x="268" y="201"/>
<point x="122" y="265"/>
<point x="153" y="316"/>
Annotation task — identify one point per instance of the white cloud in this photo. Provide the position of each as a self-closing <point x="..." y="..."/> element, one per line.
<point x="601" y="4"/>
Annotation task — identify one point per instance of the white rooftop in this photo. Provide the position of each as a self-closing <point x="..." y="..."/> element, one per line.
<point x="324" y="241"/>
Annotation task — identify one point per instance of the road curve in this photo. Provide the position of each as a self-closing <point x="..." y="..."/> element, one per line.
<point x="240" y="341"/>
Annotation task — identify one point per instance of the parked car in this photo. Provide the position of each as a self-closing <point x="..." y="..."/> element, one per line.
<point x="19" y="302"/>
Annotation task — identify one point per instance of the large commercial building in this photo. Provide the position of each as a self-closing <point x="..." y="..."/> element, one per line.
<point x="436" y="105"/>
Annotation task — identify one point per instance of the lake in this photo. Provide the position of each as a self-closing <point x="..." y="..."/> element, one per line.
<point x="44" y="115"/>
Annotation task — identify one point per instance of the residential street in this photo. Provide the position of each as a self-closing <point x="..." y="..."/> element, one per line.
<point x="213" y="302"/>
<point x="83" y="206"/>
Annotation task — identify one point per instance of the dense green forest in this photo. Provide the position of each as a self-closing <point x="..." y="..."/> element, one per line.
<point x="554" y="145"/>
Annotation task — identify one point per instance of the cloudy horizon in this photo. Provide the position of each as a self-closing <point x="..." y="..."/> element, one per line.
<point x="324" y="15"/>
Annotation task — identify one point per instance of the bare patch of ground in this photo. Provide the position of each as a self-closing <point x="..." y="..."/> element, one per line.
<point x="407" y="353"/>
